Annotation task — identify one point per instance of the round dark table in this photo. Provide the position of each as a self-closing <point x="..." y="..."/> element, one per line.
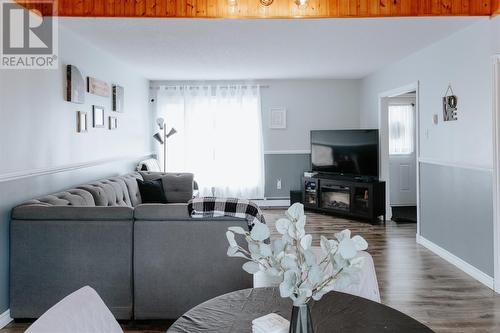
<point x="335" y="312"/>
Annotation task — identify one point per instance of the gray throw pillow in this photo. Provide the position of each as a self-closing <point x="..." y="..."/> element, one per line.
<point x="178" y="187"/>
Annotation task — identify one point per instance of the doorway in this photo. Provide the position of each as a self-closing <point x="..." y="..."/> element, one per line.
<point x="398" y="125"/>
<point x="402" y="157"/>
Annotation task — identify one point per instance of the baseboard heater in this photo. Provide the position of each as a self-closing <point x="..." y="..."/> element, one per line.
<point x="273" y="202"/>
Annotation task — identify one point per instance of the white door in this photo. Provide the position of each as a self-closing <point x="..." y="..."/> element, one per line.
<point x="402" y="155"/>
<point x="403" y="180"/>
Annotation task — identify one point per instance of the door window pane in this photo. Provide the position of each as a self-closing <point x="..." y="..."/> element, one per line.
<point x="401" y="129"/>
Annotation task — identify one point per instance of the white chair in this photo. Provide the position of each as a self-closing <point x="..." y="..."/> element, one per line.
<point x="366" y="288"/>
<point x="80" y="312"/>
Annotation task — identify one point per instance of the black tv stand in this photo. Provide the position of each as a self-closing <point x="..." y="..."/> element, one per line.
<point x="360" y="179"/>
<point x="347" y="196"/>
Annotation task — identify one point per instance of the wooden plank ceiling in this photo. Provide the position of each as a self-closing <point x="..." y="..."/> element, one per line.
<point x="495" y="7"/>
<point x="278" y="9"/>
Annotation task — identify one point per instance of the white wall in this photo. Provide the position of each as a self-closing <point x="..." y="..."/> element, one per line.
<point x="310" y="104"/>
<point x="463" y="60"/>
<point x="495" y="27"/>
<point x="38" y="127"/>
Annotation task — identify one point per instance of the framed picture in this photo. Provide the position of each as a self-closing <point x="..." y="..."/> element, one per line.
<point x="75" y="85"/>
<point x="113" y="123"/>
<point x="97" y="87"/>
<point x="118" y="98"/>
<point x="98" y="116"/>
<point x="82" y="125"/>
<point x="278" y="118"/>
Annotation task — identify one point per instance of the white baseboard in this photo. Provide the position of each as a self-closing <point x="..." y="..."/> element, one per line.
<point x="477" y="274"/>
<point x="287" y="152"/>
<point x="5" y="319"/>
<point x="272" y="203"/>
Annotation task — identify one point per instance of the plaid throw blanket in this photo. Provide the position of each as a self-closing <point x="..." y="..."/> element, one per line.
<point x="216" y="207"/>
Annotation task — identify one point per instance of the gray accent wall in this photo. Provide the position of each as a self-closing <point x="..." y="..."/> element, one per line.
<point x="456" y="207"/>
<point x="17" y="191"/>
<point x="456" y="201"/>
<point x="38" y="132"/>
<point x="287" y="167"/>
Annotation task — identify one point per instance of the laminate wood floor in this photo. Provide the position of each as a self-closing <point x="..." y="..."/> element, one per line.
<point x="411" y="279"/>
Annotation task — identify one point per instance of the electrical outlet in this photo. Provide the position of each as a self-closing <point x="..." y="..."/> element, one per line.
<point x="278" y="184"/>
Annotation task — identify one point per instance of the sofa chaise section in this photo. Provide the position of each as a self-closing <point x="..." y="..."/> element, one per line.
<point x="180" y="262"/>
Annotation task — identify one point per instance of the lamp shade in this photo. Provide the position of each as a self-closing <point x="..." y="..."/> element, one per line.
<point x="160" y="122"/>
<point x="158" y="137"/>
<point x="172" y="132"/>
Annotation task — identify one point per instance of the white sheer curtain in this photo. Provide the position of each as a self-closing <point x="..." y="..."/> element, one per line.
<point x="219" y="137"/>
<point x="401" y="129"/>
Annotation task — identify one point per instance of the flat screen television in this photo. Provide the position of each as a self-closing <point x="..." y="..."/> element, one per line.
<point x="345" y="152"/>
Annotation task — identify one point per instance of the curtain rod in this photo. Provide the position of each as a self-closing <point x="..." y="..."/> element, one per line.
<point x="224" y="86"/>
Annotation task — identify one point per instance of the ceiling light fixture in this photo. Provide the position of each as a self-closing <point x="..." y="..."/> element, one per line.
<point x="267" y="3"/>
<point x="301" y="3"/>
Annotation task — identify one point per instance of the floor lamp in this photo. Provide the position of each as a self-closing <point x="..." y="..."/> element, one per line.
<point x="162" y="137"/>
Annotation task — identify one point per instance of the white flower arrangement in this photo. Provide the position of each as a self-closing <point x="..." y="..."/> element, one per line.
<point x="303" y="276"/>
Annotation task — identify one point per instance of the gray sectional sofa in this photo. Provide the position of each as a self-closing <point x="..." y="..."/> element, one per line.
<point x="147" y="261"/>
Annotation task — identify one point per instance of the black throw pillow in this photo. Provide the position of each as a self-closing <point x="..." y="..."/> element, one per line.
<point x="152" y="191"/>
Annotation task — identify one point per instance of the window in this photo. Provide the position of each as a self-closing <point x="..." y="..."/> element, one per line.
<point x="219" y="138"/>
<point x="401" y="129"/>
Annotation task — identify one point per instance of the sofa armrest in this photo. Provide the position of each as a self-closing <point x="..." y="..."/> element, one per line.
<point x="40" y="212"/>
<point x="50" y="259"/>
<point x="161" y="212"/>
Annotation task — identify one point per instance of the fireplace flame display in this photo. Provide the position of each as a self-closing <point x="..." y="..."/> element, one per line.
<point x="336" y="197"/>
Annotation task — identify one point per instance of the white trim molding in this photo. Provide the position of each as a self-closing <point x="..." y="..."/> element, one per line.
<point x="456" y="261"/>
<point x="5" y="319"/>
<point x="64" y="168"/>
<point x="287" y="152"/>
<point x="495" y="94"/>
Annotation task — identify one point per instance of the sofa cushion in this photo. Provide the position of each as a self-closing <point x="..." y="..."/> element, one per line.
<point x="178" y="186"/>
<point x="71" y="197"/>
<point x="152" y="191"/>
<point x="109" y="192"/>
<point x="133" y="189"/>
<point x="158" y="212"/>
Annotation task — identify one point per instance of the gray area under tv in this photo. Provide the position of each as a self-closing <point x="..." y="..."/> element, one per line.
<point x="345" y="196"/>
